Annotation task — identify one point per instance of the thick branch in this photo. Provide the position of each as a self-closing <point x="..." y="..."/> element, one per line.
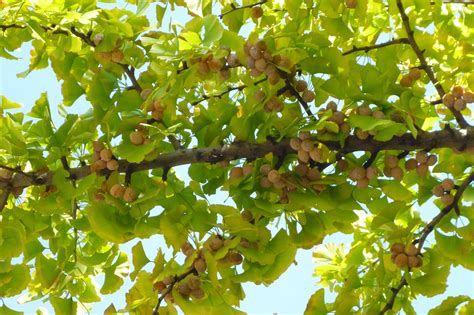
<point x="244" y="150"/>
<point x="234" y="8"/>
<point x="368" y="48"/>
<point x="424" y="64"/>
<point x="4" y="197"/>
<point x="426" y="231"/>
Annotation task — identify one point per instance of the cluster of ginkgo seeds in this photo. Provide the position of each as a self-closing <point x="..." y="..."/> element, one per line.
<point x="443" y="190"/>
<point x="365" y="110"/>
<point x="211" y="64"/>
<point x="363" y="175"/>
<point x="103" y="158"/>
<point x="458" y="98"/>
<point x="284" y="182"/>
<point x="157" y="109"/>
<point x="308" y="175"/>
<point x="421" y="163"/>
<point x="115" y="55"/>
<point x="307" y="149"/>
<point x="336" y="117"/>
<point x="404" y="256"/>
<point x="240" y="171"/>
<point x="408" y="79"/>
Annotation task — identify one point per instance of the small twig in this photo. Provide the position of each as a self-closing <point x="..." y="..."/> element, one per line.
<point x="424" y="64"/>
<point x="368" y="48"/>
<point x="86" y="38"/>
<point x="436" y="102"/>
<point x="234" y="8"/>
<point x="299" y="98"/>
<point x="230" y="89"/>
<point x="426" y="231"/>
<point x="395" y="291"/>
<point x="371" y="159"/>
<point x="170" y="288"/>
<point x="15" y="170"/>
<point x="431" y="225"/>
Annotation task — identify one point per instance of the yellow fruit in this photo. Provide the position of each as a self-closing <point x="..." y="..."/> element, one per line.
<point x="159" y="286"/>
<point x="307" y="145"/>
<point x="273" y="176"/>
<point x="351" y="4"/>
<point x="197" y="293"/>
<point x="98" y="146"/>
<point x="401" y="260"/>
<point x="447" y="184"/>
<point x="129" y="195"/>
<point x="308" y="96"/>
<point x="457" y="91"/>
<point x="411" y="164"/>
<point x="406" y="81"/>
<point x="187" y="249"/>
<point x="438" y="190"/>
<point x="215" y="243"/>
<point x="391" y="161"/>
<point x="448" y="99"/>
<point x="137" y="137"/>
<point x="200" y="265"/>
<point x="184" y="289"/>
<point x="246" y="215"/>
<point x="422" y="170"/>
<point x="105" y="155"/>
<point x="236" y="172"/>
<point x="295" y="144"/>
<point x="247" y="169"/>
<point x="117" y="190"/>
<point x="301" y="85"/>
<point x="411" y="250"/>
<point x="357" y="173"/>
<point x="113" y="165"/>
<point x="397" y="248"/>
<point x="303" y="156"/>
<point x="256" y="12"/>
<point x="414" y="74"/>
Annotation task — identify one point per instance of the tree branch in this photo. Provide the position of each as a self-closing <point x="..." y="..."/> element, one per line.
<point x="243" y="150"/>
<point x="230" y="89"/>
<point x="4" y="197"/>
<point x="234" y="8"/>
<point x="426" y="231"/>
<point x="368" y="48"/>
<point x="170" y="288"/>
<point x="295" y="93"/>
<point x="424" y="64"/>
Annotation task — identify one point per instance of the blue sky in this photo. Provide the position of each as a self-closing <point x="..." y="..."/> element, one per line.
<point x="288" y="295"/>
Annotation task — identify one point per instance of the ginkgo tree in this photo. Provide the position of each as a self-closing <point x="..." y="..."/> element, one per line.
<point x="316" y="117"/>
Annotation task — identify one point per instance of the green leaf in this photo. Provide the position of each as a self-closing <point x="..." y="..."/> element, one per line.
<point x="397" y="191"/>
<point x="213" y="30"/>
<point x="449" y="305"/>
<point x="316" y="304"/>
<point x="431" y="283"/>
<point x="139" y="259"/>
<point x="47" y="271"/>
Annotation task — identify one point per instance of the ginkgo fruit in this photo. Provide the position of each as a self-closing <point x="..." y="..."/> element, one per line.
<point x="200" y="265"/>
<point x="137" y="137"/>
<point x="117" y="190"/>
<point x="129" y="195"/>
<point x="256" y="12"/>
